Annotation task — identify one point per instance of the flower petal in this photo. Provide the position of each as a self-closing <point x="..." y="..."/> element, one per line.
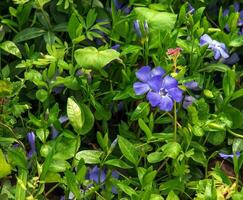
<point x="154" y="98"/>
<point x="166" y="103"/>
<point x="223" y="53"/>
<point x="140" y="88"/>
<point x="205" y="39"/>
<point x="157" y="71"/>
<point x="176" y="94"/>
<point x="169" y="82"/>
<point x="155" y="83"/>
<point x="191" y="85"/>
<point x="143" y="74"/>
<point x="216" y="54"/>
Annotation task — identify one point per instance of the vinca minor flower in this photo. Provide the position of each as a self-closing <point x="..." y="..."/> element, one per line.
<point x="218" y="48"/>
<point x="225" y="156"/>
<point x="188" y="100"/>
<point x="97" y="175"/>
<point x="31" y="141"/>
<point x="162" y="91"/>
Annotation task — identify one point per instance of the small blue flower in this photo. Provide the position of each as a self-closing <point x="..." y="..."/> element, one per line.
<point x="193" y="85"/>
<point x="191" y="10"/>
<point x="94" y="173"/>
<point x="98" y="176"/>
<point x="188" y="100"/>
<point x="225" y="156"/>
<point x="219" y="48"/>
<point x="146" y="28"/>
<point x="116" y="47"/>
<point x="31" y="141"/>
<point x="137" y="28"/>
<point x="145" y="74"/>
<point x="164" y="91"/>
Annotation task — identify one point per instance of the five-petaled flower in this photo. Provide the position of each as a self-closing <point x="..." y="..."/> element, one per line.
<point x="218" y="48"/>
<point x="162" y="91"/>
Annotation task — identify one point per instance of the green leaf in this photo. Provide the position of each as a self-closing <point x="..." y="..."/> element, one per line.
<point x="88" y="119"/>
<point x="234" y="115"/>
<point x="237" y="94"/>
<point x="220" y="67"/>
<point x="28" y="34"/>
<point x="155" y="157"/>
<point x="237" y="42"/>
<point x="5" y="88"/>
<point x="237" y="196"/>
<point x="11" y="48"/>
<point x="229" y="82"/>
<point x="118" y="163"/>
<point x="41" y="95"/>
<point x="72" y="184"/>
<point x="21" y="187"/>
<point x="128" y="150"/>
<point x="91" y="58"/>
<point x="73" y="24"/>
<point x="58" y="165"/>
<point x="5" y="168"/>
<point x="155" y="18"/>
<point x="172" y="196"/>
<point x="127" y="189"/>
<point x="75" y="115"/>
<point x="141" y="111"/>
<point x="216" y="138"/>
<point x="145" y="128"/>
<point x="17" y="157"/>
<point x="171" y="150"/>
<point x="89" y="156"/>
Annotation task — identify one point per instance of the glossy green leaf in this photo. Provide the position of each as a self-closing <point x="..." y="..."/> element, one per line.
<point x="128" y="150"/>
<point x="89" y="156"/>
<point x="171" y="150"/>
<point x="28" y="34"/>
<point x="11" y="48"/>
<point x="92" y="58"/>
<point x="75" y="115"/>
<point x="118" y="163"/>
<point x="145" y="128"/>
<point x="88" y="119"/>
<point x="141" y="111"/>
<point x="41" y="95"/>
<point x="5" y="168"/>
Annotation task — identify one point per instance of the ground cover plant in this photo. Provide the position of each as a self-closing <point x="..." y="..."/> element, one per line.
<point x="121" y="99"/>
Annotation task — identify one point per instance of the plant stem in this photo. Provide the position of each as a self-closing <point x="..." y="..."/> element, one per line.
<point x="175" y="122"/>
<point x="235" y="134"/>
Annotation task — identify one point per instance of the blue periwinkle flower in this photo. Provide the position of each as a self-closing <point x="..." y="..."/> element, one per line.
<point x="146" y="28"/>
<point x="31" y="141"/>
<point x="219" y="48"/>
<point x="225" y="156"/>
<point x="137" y="28"/>
<point x="193" y="85"/>
<point x="162" y="91"/>
<point x="145" y="74"/>
<point x="99" y="175"/>
<point x="94" y="173"/>
<point x="191" y="10"/>
<point x="188" y="100"/>
<point x="116" y="47"/>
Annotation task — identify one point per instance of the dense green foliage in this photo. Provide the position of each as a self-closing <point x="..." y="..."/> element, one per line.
<point x="82" y="118"/>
